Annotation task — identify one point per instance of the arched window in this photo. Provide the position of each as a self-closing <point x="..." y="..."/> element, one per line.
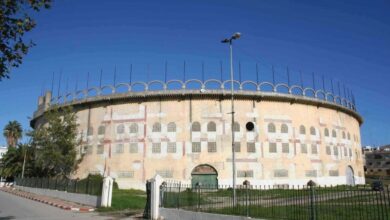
<point x="284" y="128"/>
<point x="326" y="132"/>
<point x="211" y="126"/>
<point x="312" y="131"/>
<point x="334" y="134"/>
<point x="302" y="129"/>
<point x="120" y="129"/>
<point x="156" y="127"/>
<point x="271" y="128"/>
<point x="90" y="131"/>
<point x="172" y="127"/>
<point x="349" y="136"/>
<point x="101" y="130"/>
<point x="195" y="126"/>
<point x="236" y="127"/>
<point x="133" y="128"/>
<point x="343" y="134"/>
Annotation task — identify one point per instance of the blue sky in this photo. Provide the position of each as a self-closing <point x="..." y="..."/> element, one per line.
<point x="347" y="41"/>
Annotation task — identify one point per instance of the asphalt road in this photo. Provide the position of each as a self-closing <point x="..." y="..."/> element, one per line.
<point x="14" y="207"/>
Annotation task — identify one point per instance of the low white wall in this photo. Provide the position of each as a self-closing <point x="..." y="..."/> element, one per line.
<point x="73" y="197"/>
<point x="130" y="184"/>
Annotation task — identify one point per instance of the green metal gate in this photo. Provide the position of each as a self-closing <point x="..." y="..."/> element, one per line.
<point x="204" y="175"/>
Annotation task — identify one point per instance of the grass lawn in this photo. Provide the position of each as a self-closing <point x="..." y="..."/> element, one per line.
<point x="339" y="202"/>
<point x="126" y="199"/>
<point x="190" y="197"/>
<point x="298" y="212"/>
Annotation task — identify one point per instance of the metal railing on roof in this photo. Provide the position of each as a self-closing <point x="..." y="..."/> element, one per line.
<point x="347" y="101"/>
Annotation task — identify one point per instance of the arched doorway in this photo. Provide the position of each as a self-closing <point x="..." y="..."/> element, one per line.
<point x="204" y="175"/>
<point x="350" y="176"/>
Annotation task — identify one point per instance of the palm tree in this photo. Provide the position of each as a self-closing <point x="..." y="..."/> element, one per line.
<point x="12" y="132"/>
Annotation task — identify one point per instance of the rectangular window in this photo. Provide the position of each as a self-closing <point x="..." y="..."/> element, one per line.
<point x="156" y="148"/>
<point x="126" y="174"/>
<point x="171" y="147"/>
<point x="350" y="152"/>
<point x="314" y="149"/>
<point x="333" y="173"/>
<point x="303" y="149"/>
<point x="244" y="173"/>
<point x="237" y="147"/>
<point x="285" y="148"/>
<point x="212" y="147"/>
<point x="335" y="151"/>
<point x="133" y="148"/>
<point x="100" y="149"/>
<point x="345" y="152"/>
<point x="196" y="147"/>
<point x="251" y="147"/>
<point x="165" y="173"/>
<point x="119" y="148"/>
<point x="281" y="173"/>
<point x="311" y="173"/>
<point x="272" y="147"/>
<point x="328" y="151"/>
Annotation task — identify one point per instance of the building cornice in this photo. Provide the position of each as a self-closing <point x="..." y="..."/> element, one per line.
<point x="148" y="96"/>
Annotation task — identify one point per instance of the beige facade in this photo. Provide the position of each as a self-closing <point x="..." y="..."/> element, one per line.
<point x="134" y="136"/>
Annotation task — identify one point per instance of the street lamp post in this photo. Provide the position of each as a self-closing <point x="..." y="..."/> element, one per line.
<point x="235" y="36"/>
<point x="25" y="158"/>
<point x="24" y="161"/>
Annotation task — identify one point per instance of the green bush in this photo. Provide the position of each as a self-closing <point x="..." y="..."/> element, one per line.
<point x="115" y="185"/>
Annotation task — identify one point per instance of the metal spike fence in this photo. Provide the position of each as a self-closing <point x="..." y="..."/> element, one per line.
<point x="266" y="202"/>
<point x="90" y="186"/>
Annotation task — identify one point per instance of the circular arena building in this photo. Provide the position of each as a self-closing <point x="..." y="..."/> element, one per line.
<point x="182" y="130"/>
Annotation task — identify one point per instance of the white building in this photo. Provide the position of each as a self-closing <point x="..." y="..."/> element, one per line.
<point x="3" y="150"/>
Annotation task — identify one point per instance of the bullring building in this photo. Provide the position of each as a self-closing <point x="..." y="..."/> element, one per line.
<point x="183" y="132"/>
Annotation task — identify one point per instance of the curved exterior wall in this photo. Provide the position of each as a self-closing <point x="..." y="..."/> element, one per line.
<point x="286" y="156"/>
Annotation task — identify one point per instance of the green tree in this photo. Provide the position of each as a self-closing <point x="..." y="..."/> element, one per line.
<point x="56" y="143"/>
<point x="12" y="132"/>
<point x="12" y="161"/>
<point x="14" y="23"/>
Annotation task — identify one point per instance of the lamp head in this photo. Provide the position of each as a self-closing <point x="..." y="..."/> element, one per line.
<point x="225" y="40"/>
<point x="236" y="35"/>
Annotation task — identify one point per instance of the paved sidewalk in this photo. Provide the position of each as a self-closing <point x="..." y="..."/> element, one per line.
<point x="66" y="205"/>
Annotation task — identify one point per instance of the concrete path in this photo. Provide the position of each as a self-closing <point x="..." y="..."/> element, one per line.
<point x="60" y="203"/>
<point x="14" y="207"/>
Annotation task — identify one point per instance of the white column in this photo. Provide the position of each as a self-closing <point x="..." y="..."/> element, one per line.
<point x="107" y="192"/>
<point x="155" y="196"/>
